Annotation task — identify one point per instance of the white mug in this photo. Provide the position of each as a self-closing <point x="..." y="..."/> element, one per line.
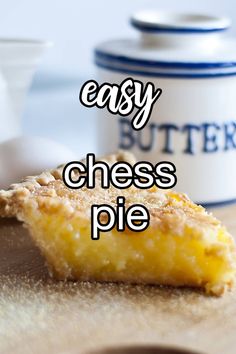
<point x="193" y="123"/>
<point x="18" y="61"/>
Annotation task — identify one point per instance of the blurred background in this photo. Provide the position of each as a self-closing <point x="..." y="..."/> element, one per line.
<point x="75" y="27"/>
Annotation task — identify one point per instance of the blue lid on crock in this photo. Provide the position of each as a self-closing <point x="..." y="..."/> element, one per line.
<point x="172" y="45"/>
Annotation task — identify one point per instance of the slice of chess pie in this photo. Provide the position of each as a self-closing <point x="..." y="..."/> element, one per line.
<point x="183" y="245"/>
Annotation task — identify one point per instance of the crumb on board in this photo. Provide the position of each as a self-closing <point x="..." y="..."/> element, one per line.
<point x="62" y="315"/>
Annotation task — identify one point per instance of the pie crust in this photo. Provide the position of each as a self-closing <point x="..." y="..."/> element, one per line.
<point x="183" y="246"/>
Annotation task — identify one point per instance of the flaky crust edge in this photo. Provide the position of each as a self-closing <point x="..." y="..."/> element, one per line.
<point x="12" y="199"/>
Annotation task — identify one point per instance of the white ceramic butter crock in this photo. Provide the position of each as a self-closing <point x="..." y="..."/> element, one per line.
<point x="193" y="124"/>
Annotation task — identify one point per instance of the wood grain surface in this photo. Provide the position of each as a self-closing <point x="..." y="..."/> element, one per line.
<point x="39" y="315"/>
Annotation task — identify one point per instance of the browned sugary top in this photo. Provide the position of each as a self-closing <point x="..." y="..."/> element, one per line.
<point x="168" y="209"/>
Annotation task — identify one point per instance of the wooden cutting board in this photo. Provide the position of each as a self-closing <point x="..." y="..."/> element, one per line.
<point x="38" y="315"/>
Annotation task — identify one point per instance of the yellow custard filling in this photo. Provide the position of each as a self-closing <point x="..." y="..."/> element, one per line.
<point x="152" y="256"/>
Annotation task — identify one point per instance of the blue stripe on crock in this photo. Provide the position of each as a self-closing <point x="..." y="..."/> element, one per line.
<point x="163" y="64"/>
<point x="217" y="204"/>
<point x="166" y="29"/>
<point x="186" y="75"/>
